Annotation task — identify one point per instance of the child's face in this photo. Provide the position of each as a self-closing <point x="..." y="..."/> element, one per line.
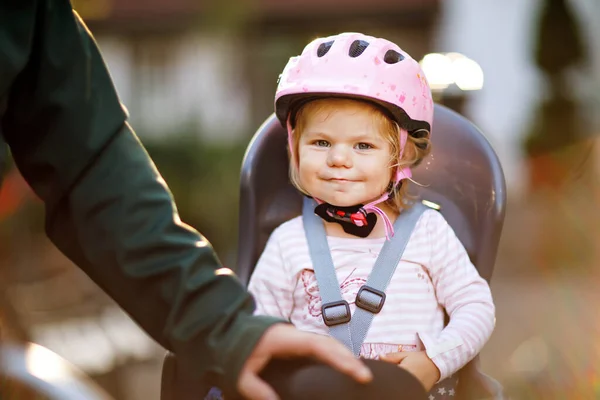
<point x="342" y="157"/>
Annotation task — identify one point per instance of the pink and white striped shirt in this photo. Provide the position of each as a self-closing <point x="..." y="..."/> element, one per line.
<point x="435" y="273"/>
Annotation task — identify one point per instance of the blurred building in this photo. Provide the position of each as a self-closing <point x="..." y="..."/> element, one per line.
<point x="183" y="66"/>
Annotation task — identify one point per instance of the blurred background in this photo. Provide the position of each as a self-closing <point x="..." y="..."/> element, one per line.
<point x="198" y="78"/>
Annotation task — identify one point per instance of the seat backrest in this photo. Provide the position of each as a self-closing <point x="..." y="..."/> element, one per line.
<point x="462" y="174"/>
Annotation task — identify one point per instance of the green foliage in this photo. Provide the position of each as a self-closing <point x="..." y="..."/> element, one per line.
<point x="204" y="180"/>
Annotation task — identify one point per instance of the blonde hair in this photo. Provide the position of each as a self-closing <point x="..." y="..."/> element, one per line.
<point x="415" y="149"/>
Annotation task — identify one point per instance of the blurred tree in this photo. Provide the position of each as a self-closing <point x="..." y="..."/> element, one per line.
<point x="204" y="180"/>
<point x="558" y="122"/>
<point x="228" y="17"/>
<point x="91" y="10"/>
<point x="558" y="148"/>
<point x="559" y="45"/>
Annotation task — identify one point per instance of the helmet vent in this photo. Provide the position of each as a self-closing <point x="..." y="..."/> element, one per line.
<point x="357" y="48"/>
<point x="324" y="48"/>
<point x="419" y="133"/>
<point x="392" y="57"/>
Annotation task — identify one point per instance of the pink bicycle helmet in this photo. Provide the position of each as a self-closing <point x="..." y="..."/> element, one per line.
<point x="362" y="67"/>
<point x="357" y="66"/>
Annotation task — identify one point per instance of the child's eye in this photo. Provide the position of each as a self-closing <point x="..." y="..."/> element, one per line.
<point x="321" y="143"/>
<point x="364" y="146"/>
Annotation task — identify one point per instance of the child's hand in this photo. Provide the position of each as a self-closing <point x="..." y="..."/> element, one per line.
<point x="417" y="363"/>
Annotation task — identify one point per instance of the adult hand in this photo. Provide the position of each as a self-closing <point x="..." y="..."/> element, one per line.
<point x="284" y="341"/>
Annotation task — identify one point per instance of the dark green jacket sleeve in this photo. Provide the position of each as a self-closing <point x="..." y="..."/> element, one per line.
<point x="107" y="207"/>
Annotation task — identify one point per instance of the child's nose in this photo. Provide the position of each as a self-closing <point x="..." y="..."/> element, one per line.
<point x="339" y="156"/>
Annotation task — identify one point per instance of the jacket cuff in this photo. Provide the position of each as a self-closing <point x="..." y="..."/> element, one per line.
<point x="438" y="350"/>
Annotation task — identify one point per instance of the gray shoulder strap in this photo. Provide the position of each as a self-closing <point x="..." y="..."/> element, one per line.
<point x="335" y="310"/>
<point x="352" y="329"/>
<point x="371" y="297"/>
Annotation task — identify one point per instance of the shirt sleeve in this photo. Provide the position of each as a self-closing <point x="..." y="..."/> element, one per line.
<point x="107" y="207"/>
<point x="271" y="284"/>
<point x="465" y="296"/>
